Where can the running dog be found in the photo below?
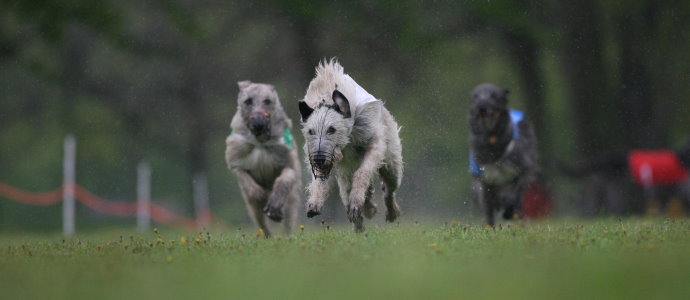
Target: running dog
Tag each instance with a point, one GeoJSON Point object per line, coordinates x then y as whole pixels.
{"type": "Point", "coordinates": [350, 133]}
{"type": "Point", "coordinates": [502, 152]}
{"type": "Point", "coordinates": [260, 151]}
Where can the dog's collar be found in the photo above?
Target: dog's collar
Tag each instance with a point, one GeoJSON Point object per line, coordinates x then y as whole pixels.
{"type": "Point", "coordinates": [323, 104]}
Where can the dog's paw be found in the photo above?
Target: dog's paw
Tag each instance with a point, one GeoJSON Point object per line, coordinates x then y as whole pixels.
{"type": "Point", "coordinates": [354, 214]}
{"type": "Point", "coordinates": [359, 227]}
{"type": "Point", "coordinates": [392, 213]}
{"type": "Point", "coordinates": [274, 213]}
{"type": "Point", "coordinates": [313, 210]}
{"type": "Point", "coordinates": [369, 209]}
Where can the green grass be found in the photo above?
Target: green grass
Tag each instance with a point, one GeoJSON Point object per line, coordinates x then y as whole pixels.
{"type": "Point", "coordinates": [601, 259]}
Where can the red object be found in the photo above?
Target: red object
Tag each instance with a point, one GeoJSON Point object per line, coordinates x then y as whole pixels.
{"type": "Point", "coordinates": [656, 167]}
{"type": "Point", "coordinates": [536, 202]}
{"type": "Point", "coordinates": [21, 196]}
{"type": "Point", "coordinates": [114, 208]}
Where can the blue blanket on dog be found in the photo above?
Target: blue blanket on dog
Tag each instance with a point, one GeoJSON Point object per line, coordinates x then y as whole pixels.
{"type": "Point", "coordinates": [515, 117]}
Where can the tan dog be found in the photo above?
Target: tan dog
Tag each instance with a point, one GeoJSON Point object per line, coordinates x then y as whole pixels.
{"type": "Point", "coordinates": [262, 154]}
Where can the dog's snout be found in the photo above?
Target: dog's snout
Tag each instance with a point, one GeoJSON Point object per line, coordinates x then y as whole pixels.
{"type": "Point", "coordinates": [482, 110]}
{"type": "Point", "coordinates": [319, 159]}
{"type": "Point", "coordinates": [258, 122]}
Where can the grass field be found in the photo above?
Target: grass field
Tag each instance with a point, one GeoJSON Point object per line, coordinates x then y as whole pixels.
{"type": "Point", "coordinates": [601, 259]}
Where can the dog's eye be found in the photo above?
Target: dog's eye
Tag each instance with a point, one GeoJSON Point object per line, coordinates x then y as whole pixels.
{"type": "Point", "coordinates": [267, 101]}
{"type": "Point", "coordinates": [248, 101]}
{"type": "Point", "coordinates": [330, 130]}
{"type": "Point", "coordinates": [311, 132]}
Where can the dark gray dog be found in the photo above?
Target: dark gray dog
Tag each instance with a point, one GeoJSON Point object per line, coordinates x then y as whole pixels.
{"type": "Point", "coordinates": [503, 152]}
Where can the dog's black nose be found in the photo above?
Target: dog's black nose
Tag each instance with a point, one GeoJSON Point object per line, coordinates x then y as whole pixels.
{"type": "Point", "coordinates": [258, 123]}
{"type": "Point", "coordinates": [319, 159]}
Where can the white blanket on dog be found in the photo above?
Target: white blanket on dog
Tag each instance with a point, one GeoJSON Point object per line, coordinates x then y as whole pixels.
{"type": "Point", "coordinates": [361, 95]}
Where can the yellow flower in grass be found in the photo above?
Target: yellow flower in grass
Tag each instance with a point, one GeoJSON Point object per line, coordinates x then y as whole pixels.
{"type": "Point", "coordinates": [260, 233]}
{"type": "Point", "coordinates": [301, 227]}
{"type": "Point", "coordinates": [183, 241]}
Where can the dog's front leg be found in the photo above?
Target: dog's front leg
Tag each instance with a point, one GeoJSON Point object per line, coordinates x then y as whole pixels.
{"type": "Point", "coordinates": [361, 180]}
{"type": "Point", "coordinates": [278, 197]}
{"type": "Point", "coordinates": [252, 189]}
{"type": "Point", "coordinates": [318, 192]}
{"type": "Point", "coordinates": [488, 202]}
{"type": "Point", "coordinates": [254, 196]}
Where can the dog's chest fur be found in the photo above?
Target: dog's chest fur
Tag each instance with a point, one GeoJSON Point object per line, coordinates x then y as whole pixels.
{"type": "Point", "coordinates": [262, 163]}
{"type": "Point", "coordinates": [500, 172]}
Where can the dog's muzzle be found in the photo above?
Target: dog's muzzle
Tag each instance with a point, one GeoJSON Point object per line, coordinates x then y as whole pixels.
{"type": "Point", "coordinates": [321, 164]}
{"type": "Point", "coordinates": [259, 122]}
{"type": "Point", "coordinates": [487, 116]}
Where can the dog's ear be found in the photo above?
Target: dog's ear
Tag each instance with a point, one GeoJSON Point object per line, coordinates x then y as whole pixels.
{"type": "Point", "coordinates": [305, 110]}
{"type": "Point", "coordinates": [342, 105]}
{"type": "Point", "coordinates": [243, 84]}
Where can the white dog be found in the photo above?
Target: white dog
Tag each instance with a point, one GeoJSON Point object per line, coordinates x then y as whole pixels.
{"type": "Point", "coordinates": [349, 132]}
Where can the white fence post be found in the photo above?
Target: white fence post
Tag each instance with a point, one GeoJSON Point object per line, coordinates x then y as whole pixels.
{"type": "Point", "coordinates": [143, 196]}
{"type": "Point", "coordinates": [203, 213]}
{"type": "Point", "coordinates": [69, 175]}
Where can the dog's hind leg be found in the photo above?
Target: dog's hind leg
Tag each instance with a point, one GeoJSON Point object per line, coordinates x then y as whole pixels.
{"type": "Point", "coordinates": [513, 202]}
{"type": "Point", "coordinates": [509, 212]}
{"type": "Point", "coordinates": [390, 177]}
